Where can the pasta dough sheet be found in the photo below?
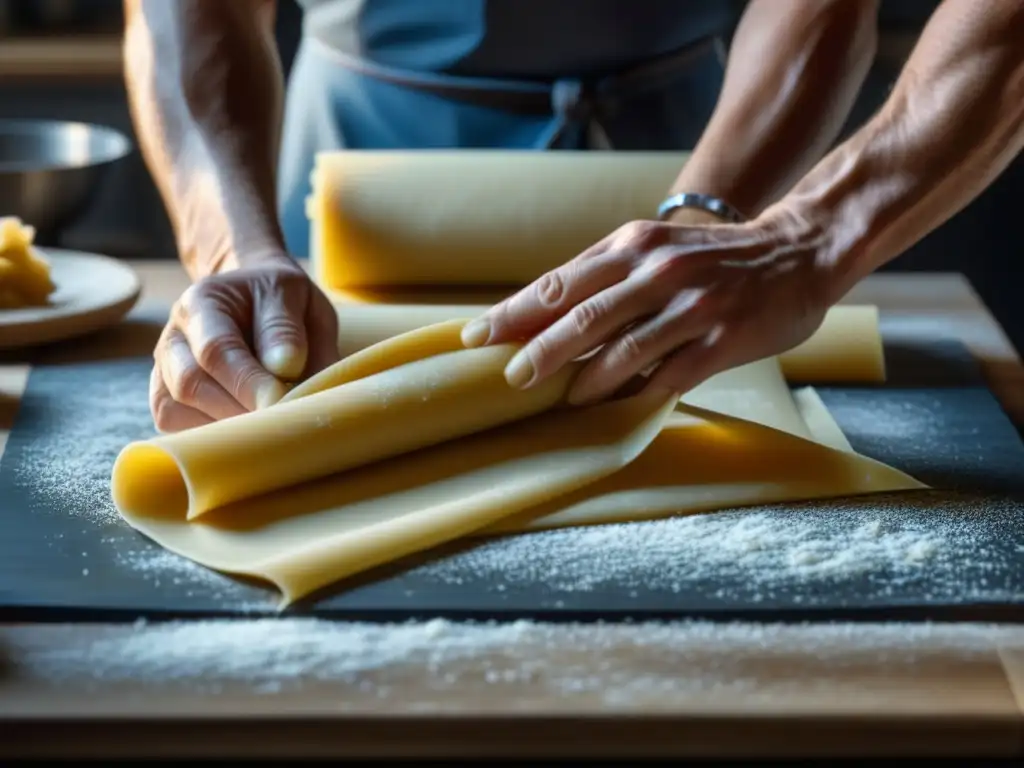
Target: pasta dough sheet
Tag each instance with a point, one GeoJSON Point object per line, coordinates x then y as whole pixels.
{"type": "Point", "coordinates": [387, 218]}
{"type": "Point", "coordinates": [415, 441]}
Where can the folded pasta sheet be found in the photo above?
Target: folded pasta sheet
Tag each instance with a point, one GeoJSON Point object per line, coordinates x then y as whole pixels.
{"type": "Point", "coordinates": [416, 441]}
{"type": "Point", "coordinates": [412, 440]}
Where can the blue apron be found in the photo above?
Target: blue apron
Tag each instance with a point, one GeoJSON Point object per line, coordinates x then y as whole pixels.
{"type": "Point", "coordinates": [385, 99]}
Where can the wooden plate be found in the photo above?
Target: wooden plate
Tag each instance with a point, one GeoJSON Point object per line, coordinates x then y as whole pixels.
{"type": "Point", "coordinates": [93, 292]}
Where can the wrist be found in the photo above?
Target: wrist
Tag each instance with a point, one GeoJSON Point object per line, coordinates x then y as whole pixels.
{"type": "Point", "coordinates": [216, 235]}
{"type": "Point", "coordinates": [817, 234]}
{"type": "Point", "coordinates": [839, 211]}
{"type": "Point", "coordinates": [716, 209]}
{"type": "Point", "coordinates": [223, 205]}
{"type": "Point", "coordinates": [208, 252]}
{"type": "Point", "coordinates": [695, 217]}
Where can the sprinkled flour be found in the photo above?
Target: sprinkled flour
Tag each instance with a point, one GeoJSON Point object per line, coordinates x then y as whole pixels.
{"type": "Point", "coordinates": [752, 554]}
{"type": "Point", "coordinates": [607, 664]}
{"type": "Point", "coordinates": [919, 548]}
{"type": "Point", "coordinates": [665, 554]}
{"type": "Point", "coordinates": [67, 468]}
{"type": "Point", "coordinates": [165, 570]}
{"type": "Point", "coordinates": [102, 421]}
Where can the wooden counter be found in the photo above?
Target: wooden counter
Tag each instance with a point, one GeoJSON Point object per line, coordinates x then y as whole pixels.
{"type": "Point", "coordinates": [290, 688]}
{"type": "Point", "coordinates": [62, 57]}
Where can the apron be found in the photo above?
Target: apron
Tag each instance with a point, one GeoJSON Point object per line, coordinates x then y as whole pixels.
{"type": "Point", "coordinates": [348, 99]}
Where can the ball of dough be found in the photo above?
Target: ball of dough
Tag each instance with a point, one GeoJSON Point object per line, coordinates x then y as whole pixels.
{"type": "Point", "coordinates": [24, 274]}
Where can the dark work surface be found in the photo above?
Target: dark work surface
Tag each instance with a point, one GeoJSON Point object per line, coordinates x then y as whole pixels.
{"type": "Point", "coordinates": [950, 553]}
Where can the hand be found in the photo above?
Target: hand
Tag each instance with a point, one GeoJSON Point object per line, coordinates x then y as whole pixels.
{"type": "Point", "coordinates": [235, 338]}
{"type": "Point", "coordinates": [678, 303]}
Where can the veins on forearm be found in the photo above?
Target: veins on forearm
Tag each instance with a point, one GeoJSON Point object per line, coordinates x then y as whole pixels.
{"type": "Point", "coordinates": [954, 122]}
{"type": "Point", "coordinates": [208, 116]}
{"type": "Point", "coordinates": [791, 80]}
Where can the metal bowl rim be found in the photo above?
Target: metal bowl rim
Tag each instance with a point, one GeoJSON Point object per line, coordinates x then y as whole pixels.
{"type": "Point", "coordinates": [120, 147]}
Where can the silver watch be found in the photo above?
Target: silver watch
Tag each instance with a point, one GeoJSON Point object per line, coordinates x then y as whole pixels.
{"type": "Point", "coordinates": [703, 202]}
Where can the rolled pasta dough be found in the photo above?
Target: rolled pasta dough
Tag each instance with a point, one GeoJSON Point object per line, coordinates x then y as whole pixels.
{"type": "Point", "coordinates": [405, 239]}
{"type": "Point", "coordinates": [387, 218]}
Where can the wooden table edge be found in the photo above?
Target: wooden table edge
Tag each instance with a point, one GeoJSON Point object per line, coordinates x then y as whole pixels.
{"type": "Point", "coordinates": [521, 736]}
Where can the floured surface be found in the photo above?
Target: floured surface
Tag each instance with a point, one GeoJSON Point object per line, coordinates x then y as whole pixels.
{"type": "Point", "coordinates": [756, 556]}
{"type": "Point", "coordinates": [61, 523]}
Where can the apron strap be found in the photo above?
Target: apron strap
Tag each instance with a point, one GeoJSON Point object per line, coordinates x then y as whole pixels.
{"type": "Point", "coordinates": [572, 101]}
{"type": "Point", "coordinates": [575, 102]}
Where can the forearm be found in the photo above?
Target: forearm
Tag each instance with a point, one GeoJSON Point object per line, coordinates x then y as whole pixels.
{"type": "Point", "coordinates": [793, 73]}
{"type": "Point", "coordinates": [954, 122]}
{"type": "Point", "coordinates": [205, 90]}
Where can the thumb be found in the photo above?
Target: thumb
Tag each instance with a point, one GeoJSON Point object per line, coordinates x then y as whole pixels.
{"type": "Point", "coordinates": [279, 332]}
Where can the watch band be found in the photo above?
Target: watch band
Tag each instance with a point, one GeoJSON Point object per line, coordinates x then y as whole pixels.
{"type": "Point", "coordinates": [703, 202]}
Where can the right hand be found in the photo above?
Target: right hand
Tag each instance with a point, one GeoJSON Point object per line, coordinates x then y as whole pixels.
{"type": "Point", "coordinates": [236, 339]}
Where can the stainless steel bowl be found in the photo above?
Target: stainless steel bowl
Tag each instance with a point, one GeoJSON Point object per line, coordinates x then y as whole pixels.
{"type": "Point", "coordinates": [50, 169]}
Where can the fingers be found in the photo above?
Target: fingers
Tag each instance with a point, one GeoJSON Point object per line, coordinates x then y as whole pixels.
{"type": "Point", "coordinates": [547, 299]}
{"type": "Point", "coordinates": [572, 310]}
{"type": "Point", "coordinates": [232, 341]}
{"type": "Point", "coordinates": [168, 414]}
{"type": "Point", "coordinates": [643, 345]}
{"type": "Point", "coordinates": [218, 345]}
{"type": "Point", "coordinates": [279, 333]}
{"type": "Point", "coordinates": [642, 294]}
{"type": "Point", "coordinates": [187, 382]}
{"type": "Point", "coordinates": [693, 363]}
{"type": "Point", "coordinates": [322, 322]}
{"type": "Point", "coordinates": [585, 327]}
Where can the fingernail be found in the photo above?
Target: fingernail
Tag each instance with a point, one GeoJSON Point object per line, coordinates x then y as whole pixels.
{"type": "Point", "coordinates": [519, 371]}
{"type": "Point", "coordinates": [284, 361]}
{"type": "Point", "coordinates": [269, 393]}
{"type": "Point", "coordinates": [476, 332]}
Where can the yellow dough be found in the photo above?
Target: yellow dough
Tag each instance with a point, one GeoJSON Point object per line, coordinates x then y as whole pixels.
{"type": "Point", "coordinates": [472, 217]}
{"type": "Point", "coordinates": [412, 441]}
{"type": "Point", "coordinates": [739, 439]}
{"type": "Point", "coordinates": [24, 273]}
{"type": "Point", "coordinates": [210, 493]}
{"type": "Point", "coordinates": [404, 239]}
{"type": "Point", "coordinates": [415, 441]}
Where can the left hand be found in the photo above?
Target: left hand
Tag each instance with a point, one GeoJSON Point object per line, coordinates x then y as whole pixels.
{"type": "Point", "coordinates": [685, 301]}
{"type": "Point", "coordinates": [236, 338]}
